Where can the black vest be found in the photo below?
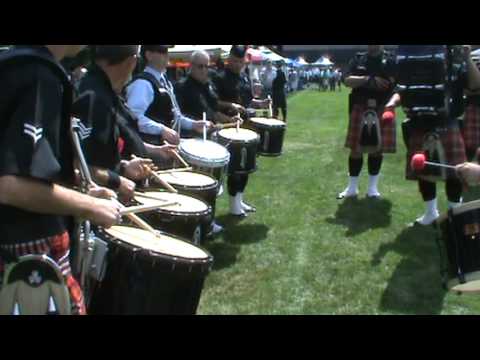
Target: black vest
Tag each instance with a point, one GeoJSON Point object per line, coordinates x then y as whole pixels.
{"type": "Point", "coordinates": [161, 109]}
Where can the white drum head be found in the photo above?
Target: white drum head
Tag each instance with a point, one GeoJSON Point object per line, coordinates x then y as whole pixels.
{"type": "Point", "coordinates": [186, 204]}
{"type": "Point", "coordinates": [204, 153]}
{"type": "Point", "coordinates": [164, 244]}
{"type": "Point", "coordinates": [188, 178]}
{"type": "Point", "coordinates": [240, 135]}
{"type": "Point", "coordinates": [268, 122]}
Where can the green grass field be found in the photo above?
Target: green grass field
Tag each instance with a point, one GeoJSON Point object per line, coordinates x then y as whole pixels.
{"type": "Point", "coordinates": [304, 252]}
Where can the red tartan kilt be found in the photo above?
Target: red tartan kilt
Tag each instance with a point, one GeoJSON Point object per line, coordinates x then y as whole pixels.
{"type": "Point", "coordinates": [388, 131]}
{"type": "Point", "coordinates": [57, 248]}
{"type": "Point", "coordinates": [471, 127]}
{"type": "Point", "coordinates": [453, 145]}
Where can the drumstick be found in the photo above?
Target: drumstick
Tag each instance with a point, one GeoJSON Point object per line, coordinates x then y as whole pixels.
{"type": "Point", "coordinates": [89, 180]}
{"type": "Point", "coordinates": [150, 172]}
{"type": "Point", "coordinates": [172, 171]}
{"type": "Point", "coordinates": [177, 155]}
{"type": "Point", "coordinates": [163, 182]}
{"type": "Point", "coordinates": [135, 219]}
{"type": "Point", "coordinates": [204, 126]}
{"type": "Point", "coordinates": [270, 106]}
{"type": "Point", "coordinates": [144, 208]}
{"type": "Point", "coordinates": [137, 193]}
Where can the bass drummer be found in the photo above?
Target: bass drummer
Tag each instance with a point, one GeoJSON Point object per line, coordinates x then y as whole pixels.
{"type": "Point", "coordinates": [235, 95]}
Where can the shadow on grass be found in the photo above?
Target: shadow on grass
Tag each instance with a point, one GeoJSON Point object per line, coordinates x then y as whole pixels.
{"type": "Point", "coordinates": [415, 286]}
{"type": "Point", "coordinates": [225, 252]}
{"type": "Point", "coordinates": [362, 215]}
{"type": "Point", "coordinates": [238, 233]}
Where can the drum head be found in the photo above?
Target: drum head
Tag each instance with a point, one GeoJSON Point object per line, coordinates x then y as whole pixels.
{"type": "Point", "coordinates": [240, 135]}
{"type": "Point", "coordinates": [204, 153]}
{"type": "Point", "coordinates": [268, 122]}
{"type": "Point", "coordinates": [185, 204]}
{"type": "Point", "coordinates": [189, 179]}
{"type": "Point", "coordinates": [164, 244]}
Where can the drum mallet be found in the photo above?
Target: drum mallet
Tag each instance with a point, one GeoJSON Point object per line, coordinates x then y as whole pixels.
{"type": "Point", "coordinates": [419, 163]}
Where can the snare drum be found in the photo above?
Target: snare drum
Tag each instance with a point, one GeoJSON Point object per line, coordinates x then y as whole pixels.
{"type": "Point", "coordinates": [459, 242]}
{"type": "Point", "coordinates": [198, 186]}
{"type": "Point", "coordinates": [189, 218]}
{"type": "Point", "coordinates": [243, 146]}
{"type": "Point", "coordinates": [206, 157]}
{"type": "Point", "coordinates": [272, 134]}
{"type": "Point", "coordinates": [147, 275]}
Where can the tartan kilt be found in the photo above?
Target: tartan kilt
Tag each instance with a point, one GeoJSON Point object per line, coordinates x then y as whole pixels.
{"type": "Point", "coordinates": [58, 249]}
{"type": "Point", "coordinates": [388, 131]}
{"type": "Point", "coordinates": [471, 127]}
{"type": "Point", "coordinates": [452, 142]}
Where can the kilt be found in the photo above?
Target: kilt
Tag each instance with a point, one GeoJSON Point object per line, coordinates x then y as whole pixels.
{"type": "Point", "coordinates": [452, 142]}
{"type": "Point", "coordinates": [471, 127]}
{"type": "Point", "coordinates": [388, 131]}
{"type": "Point", "coordinates": [58, 249]}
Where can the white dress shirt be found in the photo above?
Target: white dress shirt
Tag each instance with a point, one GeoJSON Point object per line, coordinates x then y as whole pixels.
{"type": "Point", "coordinates": [140, 96]}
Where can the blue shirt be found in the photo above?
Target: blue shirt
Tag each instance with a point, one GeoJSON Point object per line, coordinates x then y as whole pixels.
{"type": "Point", "coordinates": [140, 96]}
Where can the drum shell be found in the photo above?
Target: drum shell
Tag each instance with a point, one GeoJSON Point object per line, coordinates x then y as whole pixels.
{"type": "Point", "coordinates": [218, 173]}
{"type": "Point", "coordinates": [141, 283]}
{"type": "Point", "coordinates": [236, 148]}
{"type": "Point", "coordinates": [207, 194]}
{"type": "Point", "coordinates": [271, 138]}
{"type": "Point", "coordinates": [460, 243]}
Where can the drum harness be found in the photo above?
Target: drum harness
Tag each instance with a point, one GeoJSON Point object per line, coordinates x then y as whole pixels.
{"type": "Point", "coordinates": [82, 263]}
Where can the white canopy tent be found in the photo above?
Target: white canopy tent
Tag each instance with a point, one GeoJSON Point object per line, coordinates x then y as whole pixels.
{"type": "Point", "coordinates": [184, 52]}
{"type": "Point", "coordinates": [323, 61]}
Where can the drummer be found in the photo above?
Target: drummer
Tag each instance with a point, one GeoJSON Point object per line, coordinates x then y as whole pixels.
{"type": "Point", "coordinates": [36, 164]}
{"type": "Point", "coordinates": [196, 96]}
{"type": "Point", "coordinates": [113, 126]}
{"type": "Point", "coordinates": [235, 95]}
{"type": "Point", "coordinates": [152, 99]}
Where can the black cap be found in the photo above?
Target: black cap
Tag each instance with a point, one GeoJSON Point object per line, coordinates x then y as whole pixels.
{"type": "Point", "coordinates": [115, 51]}
{"type": "Point", "coordinates": [239, 51]}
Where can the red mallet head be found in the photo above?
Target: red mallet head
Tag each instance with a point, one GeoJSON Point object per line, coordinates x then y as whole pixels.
{"type": "Point", "coordinates": [418, 162]}
{"type": "Point", "coordinates": [388, 116]}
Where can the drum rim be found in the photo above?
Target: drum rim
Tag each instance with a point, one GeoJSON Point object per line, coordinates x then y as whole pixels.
{"type": "Point", "coordinates": [179, 213]}
{"type": "Point", "coordinates": [469, 277]}
{"type": "Point", "coordinates": [201, 161]}
{"type": "Point", "coordinates": [236, 141]}
{"type": "Point", "coordinates": [277, 125]}
{"type": "Point", "coordinates": [195, 187]}
{"type": "Point", "coordinates": [462, 209]}
{"type": "Point", "coordinates": [137, 251]}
